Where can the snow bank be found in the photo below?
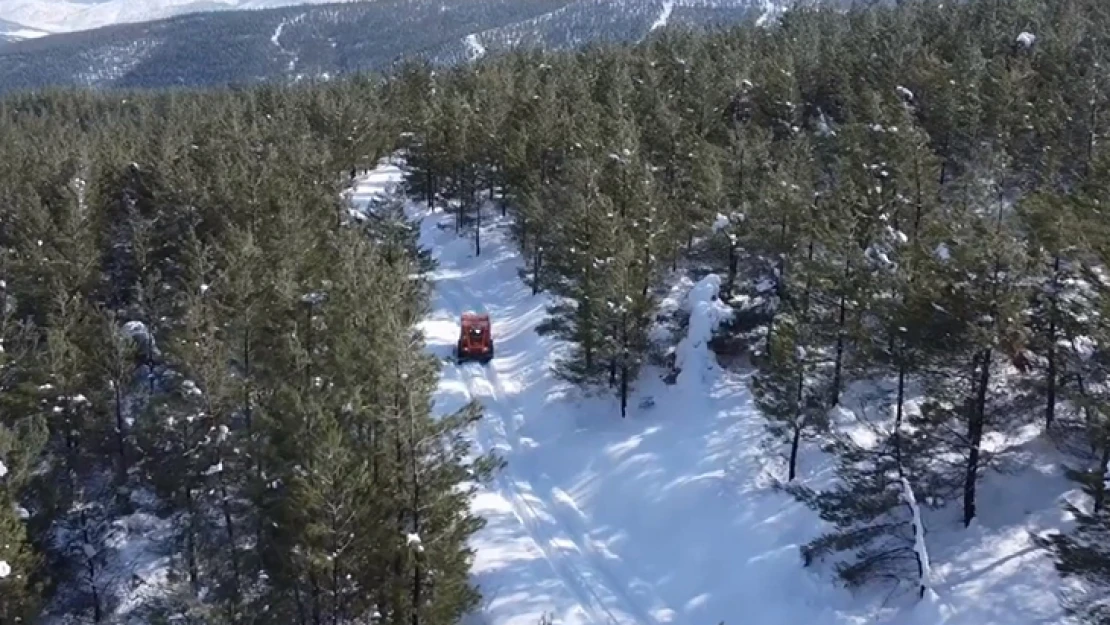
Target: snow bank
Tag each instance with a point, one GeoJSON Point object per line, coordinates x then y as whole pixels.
{"type": "Point", "coordinates": [918, 535]}
{"type": "Point", "coordinates": [929, 611]}
{"type": "Point", "coordinates": [707, 313]}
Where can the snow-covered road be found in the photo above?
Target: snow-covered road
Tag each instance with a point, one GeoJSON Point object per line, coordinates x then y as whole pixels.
{"type": "Point", "coordinates": [537, 554]}
{"type": "Point", "coordinates": [664, 517]}
{"type": "Point", "coordinates": [598, 520]}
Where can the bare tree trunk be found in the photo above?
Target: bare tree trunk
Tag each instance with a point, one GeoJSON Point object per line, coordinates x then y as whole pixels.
{"type": "Point", "coordinates": [795, 443]}
{"type": "Point", "coordinates": [537, 263]}
{"type": "Point", "coordinates": [335, 593]}
{"type": "Point", "coordinates": [899, 410]}
{"type": "Point", "coordinates": [232, 543]}
{"type": "Point", "coordinates": [1051, 374]}
{"type": "Point", "coordinates": [733, 265]}
{"type": "Point", "coordinates": [624, 389]}
{"type": "Point", "coordinates": [91, 571]}
{"type": "Point", "coordinates": [191, 541]}
{"type": "Point", "coordinates": [840, 339]}
{"type": "Point", "coordinates": [975, 427]}
{"type": "Point", "coordinates": [417, 569]}
{"type": "Point", "coordinates": [478, 230]}
{"type": "Point", "coordinates": [121, 425]}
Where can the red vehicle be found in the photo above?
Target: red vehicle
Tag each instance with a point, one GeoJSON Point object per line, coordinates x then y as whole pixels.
{"type": "Point", "coordinates": [475, 340]}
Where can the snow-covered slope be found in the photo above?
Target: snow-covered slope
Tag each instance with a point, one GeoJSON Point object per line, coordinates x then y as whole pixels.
{"type": "Point", "coordinates": [669, 516]}
{"type": "Point", "coordinates": [69, 15]}
{"type": "Point", "coordinates": [11, 31]}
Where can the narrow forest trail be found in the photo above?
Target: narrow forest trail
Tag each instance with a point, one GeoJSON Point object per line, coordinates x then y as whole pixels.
{"type": "Point", "coordinates": [542, 520]}
{"type": "Point", "coordinates": [661, 518]}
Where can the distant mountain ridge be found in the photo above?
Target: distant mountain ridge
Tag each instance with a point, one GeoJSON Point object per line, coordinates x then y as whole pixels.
{"type": "Point", "coordinates": [12, 31]}
{"type": "Point", "coordinates": [324, 40]}
{"type": "Point", "coordinates": [60, 16]}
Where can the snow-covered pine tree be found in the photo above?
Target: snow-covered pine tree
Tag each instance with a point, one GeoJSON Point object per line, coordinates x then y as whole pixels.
{"type": "Point", "coordinates": [492, 107]}
{"type": "Point", "coordinates": [246, 292]}
{"type": "Point", "coordinates": [533, 148]}
{"type": "Point", "coordinates": [783, 388]}
{"type": "Point", "coordinates": [330, 499]}
{"type": "Point", "coordinates": [631, 270]}
{"type": "Point", "coordinates": [216, 472]}
{"type": "Point", "coordinates": [455, 123]}
{"type": "Point", "coordinates": [981, 300]}
{"type": "Point", "coordinates": [581, 265]}
{"type": "Point", "coordinates": [848, 253]}
{"type": "Point", "coordinates": [116, 355]}
{"type": "Point", "coordinates": [667, 141]}
{"type": "Point", "coordinates": [77, 510]}
{"type": "Point", "coordinates": [779, 224]}
{"type": "Point", "coordinates": [874, 536]}
{"type": "Point", "coordinates": [751, 259]}
{"type": "Point", "coordinates": [394, 232]}
{"type": "Point", "coordinates": [430, 574]}
{"type": "Point", "coordinates": [1060, 299]}
{"type": "Point", "coordinates": [413, 90]}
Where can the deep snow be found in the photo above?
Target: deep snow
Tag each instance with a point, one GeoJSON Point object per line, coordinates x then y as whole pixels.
{"type": "Point", "coordinates": [669, 516]}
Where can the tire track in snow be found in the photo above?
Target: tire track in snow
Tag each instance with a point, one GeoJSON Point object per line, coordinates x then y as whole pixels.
{"type": "Point", "coordinates": [532, 519]}
{"type": "Point", "coordinates": [572, 520]}
{"type": "Point", "coordinates": [454, 295]}
{"type": "Point", "coordinates": [562, 539]}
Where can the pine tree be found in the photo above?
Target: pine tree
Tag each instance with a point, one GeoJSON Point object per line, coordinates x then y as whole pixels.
{"type": "Point", "coordinates": [389, 227]}
{"type": "Point", "coordinates": [116, 358]}
{"type": "Point", "coordinates": [535, 143]}
{"type": "Point", "coordinates": [79, 505]}
{"type": "Point", "coordinates": [982, 301]}
{"type": "Point", "coordinates": [330, 499]}
{"type": "Point", "coordinates": [23, 435]}
{"type": "Point", "coordinates": [873, 535]}
{"type": "Point", "coordinates": [435, 524]}
{"type": "Point", "coordinates": [783, 390]}
{"type": "Point", "coordinates": [581, 264]}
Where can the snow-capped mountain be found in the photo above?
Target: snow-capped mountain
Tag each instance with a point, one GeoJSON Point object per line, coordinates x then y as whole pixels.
{"type": "Point", "coordinates": [60, 16]}
{"type": "Point", "coordinates": [319, 40]}
{"type": "Point", "coordinates": [11, 31]}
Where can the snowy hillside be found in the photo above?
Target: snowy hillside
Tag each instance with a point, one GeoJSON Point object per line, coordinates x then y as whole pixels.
{"type": "Point", "coordinates": [68, 16]}
{"type": "Point", "coordinates": [671, 515]}
{"type": "Point", "coordinates": [74, 15]}
{"type": "Point", "coordinates": [295, 43]}
{"type": "Point", "coordinates": [11, 31]}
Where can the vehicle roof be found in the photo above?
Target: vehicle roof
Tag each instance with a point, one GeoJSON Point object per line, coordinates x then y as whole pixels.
{"type": "Point", "coordinates": [475, 319]}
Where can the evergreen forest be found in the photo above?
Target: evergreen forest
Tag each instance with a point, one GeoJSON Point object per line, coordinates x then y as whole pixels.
{"type": "Point", "coordinates": [204, 345]}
